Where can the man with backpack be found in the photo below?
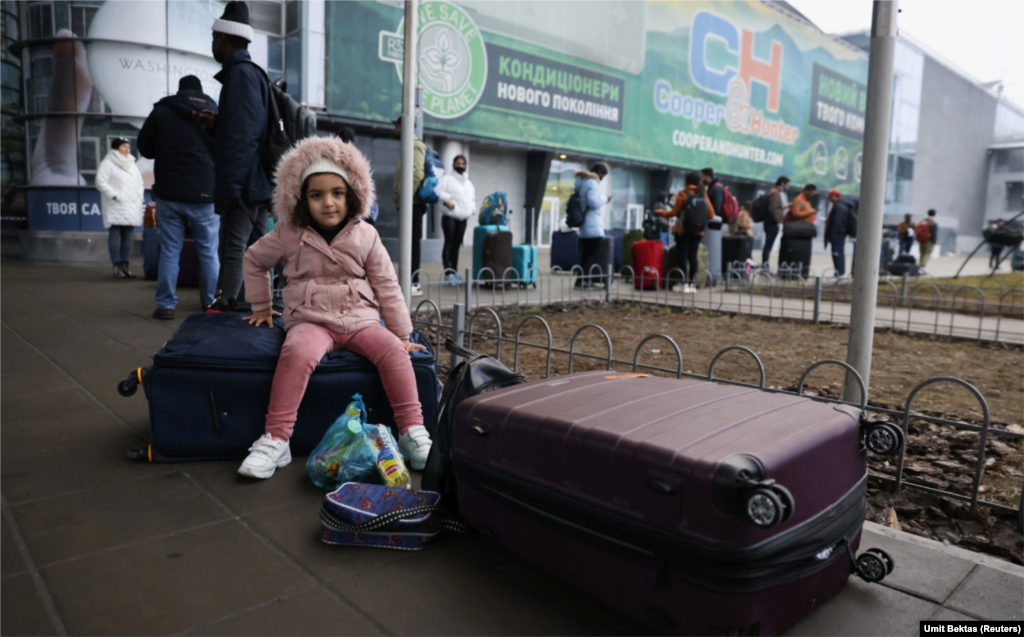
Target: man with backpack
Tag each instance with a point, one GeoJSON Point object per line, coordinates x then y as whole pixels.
{"type": "Point", "coordinates": [770, 209]}
{"type": "Point", "coordinates": [419, 206]}
{"type": "Point", "coordinates": [926, 233]}
{"type": "Point", "coordinates": [183, 190]}
{"type": "Point", "coordinates": [693, 209]}
{"type": "Point", "coordinates": [725, 204]}
{"type": "Point", "coordinates": [242, 189]}
{"type": "Point", "coordinates": [841, 223]}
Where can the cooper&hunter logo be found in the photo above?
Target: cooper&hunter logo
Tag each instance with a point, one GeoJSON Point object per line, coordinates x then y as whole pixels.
{"type": "Point", "coordinates": [452, 58]}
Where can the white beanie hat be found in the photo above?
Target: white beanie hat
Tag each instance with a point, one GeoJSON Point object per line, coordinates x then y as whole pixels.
{"type": "Point", "coordinates": [324, 165]}
{"type": "Point", "coordinates": [235, 21]}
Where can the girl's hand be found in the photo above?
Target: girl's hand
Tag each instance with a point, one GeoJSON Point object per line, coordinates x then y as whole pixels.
{"type": "Point", "coordinates": [411, 347]}
{"type": "Point", "coordinates": [259, 318]}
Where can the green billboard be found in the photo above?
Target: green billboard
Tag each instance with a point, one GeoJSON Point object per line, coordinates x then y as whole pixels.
{"type": "Point", "coordinates": [738, 86]}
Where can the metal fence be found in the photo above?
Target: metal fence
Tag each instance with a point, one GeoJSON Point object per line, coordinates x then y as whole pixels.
{"type": "Point", "coordinates": [909, 304]}
{"type": "Point", "coordinates": [463, 330]}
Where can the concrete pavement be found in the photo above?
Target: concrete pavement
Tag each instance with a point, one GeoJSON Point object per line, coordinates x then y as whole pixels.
{"type": "Point", "coordinates": [95, 544]}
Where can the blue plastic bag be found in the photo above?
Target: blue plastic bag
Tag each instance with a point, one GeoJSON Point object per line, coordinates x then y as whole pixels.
{"type": "Point", "coordinates": [343, 455]}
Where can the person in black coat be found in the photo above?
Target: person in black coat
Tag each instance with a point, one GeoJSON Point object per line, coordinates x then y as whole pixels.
{"type": "Point", "coordinates": [242, 190]}
{"type": "Point", "coordinates": [841, 219]}
{"type": "Point", "coordinates": [175, 138]}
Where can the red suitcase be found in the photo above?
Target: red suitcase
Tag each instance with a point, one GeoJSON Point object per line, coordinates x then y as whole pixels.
{"type": "Point", "coordinates": [693, 507]}
{"type": "Point", "coordinates": [648, 265]}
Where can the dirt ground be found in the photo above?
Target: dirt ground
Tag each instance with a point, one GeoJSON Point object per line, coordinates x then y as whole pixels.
{"type": "Point", "coordinates": [938, 456]}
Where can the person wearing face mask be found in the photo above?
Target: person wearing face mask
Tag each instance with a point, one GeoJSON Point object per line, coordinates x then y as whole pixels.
{"type": "Point", "coordinates": [458, 198]}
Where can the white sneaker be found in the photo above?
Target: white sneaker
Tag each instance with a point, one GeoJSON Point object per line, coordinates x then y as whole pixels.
{"type": "Point", "coordinates": [679, 288]}
{"type": "Point", "coordinates": [266, 455]}
{"type": "Point", "coordinates": [415, 445]}
{"type": "Point", "coordinates": [689, 289]}
{"type": "Point", "coordinates": [416, 290]}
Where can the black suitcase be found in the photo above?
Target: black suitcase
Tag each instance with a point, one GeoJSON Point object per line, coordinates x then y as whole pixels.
{"type": "Point", "coordinates": [565, 253]}
{"type": "Point", "coordinates": [887, 255]}
{"type": "Point", "coordinates": [497, 255]}
{"type": "Point", "coordinates": [736, 248]}
{"type": "Point", "coordinates": [799, 230]}
{"type": "Point", "coordinates": [899, 268]}
{"type": "Point", "coordinates": [794, 257]}
{"type": "Point", "coordinates": [597, 262]}
{"type": "Point", "coordinates": [209, 388]}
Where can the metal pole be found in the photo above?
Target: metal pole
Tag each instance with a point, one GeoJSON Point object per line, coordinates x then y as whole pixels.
{"type": "Point", "coordinates": [408, 135]}
{"type": "Point", "coordinates": [817, 300]}
{"type": "Point", "coordinates": [872, 193]}
{"type": "Point", "coordinates": [458, 328]}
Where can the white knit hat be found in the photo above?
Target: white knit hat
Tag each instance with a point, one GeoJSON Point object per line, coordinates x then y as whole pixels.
{"type": "Point", "coordinates": [235, 21]}
{"type": "Point", "coordinates": [324, 165]}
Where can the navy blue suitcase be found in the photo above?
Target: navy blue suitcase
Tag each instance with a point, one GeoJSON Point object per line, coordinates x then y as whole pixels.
{"type": "Point", "coordinates": [565, 251]}
{"type": "Point", "coordinates": [209, 388]}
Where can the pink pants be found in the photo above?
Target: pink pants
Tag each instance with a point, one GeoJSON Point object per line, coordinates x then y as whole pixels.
{"type": "Point", "coordinates": [307, 343]}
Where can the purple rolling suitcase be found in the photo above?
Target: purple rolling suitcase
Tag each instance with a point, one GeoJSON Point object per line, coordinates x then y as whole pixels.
{"type": "Point", "coordinates": [694, 507]}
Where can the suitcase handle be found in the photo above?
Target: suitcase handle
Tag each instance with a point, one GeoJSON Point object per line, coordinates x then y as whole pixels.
{"type": "Point", "coordinates": [459, 350]}
{"type": "Point", "coordinates": [661, 487]}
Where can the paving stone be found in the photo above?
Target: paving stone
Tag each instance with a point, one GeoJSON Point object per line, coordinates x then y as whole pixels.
{"type": "Point", "coordinates": [112, 515]}
{"type": "Point", "coordinates": [917, 571]}
{"type": "Point", "coordinates": [296, 529]}
{"type": "Point", "coordinates": [990, 594]}
{"type": "Point", "coordinates": [867, 609]}
{"type": "Point", "coordinates": [70, 470]}
{"type": "Point", "coordinates": [21, 610]}
{"type": "Point", "coordinates": [468, 588]}
{"type": "Point", "coordinates": [245, 495]}
{"type": "Point", "coordinates": [85, 432]}
{"type": "Point", "coordinates": [946, 615]}
{"type": "Point", "coordinates": [172, 584]}
{"type": "Point", "coordinates": [35, 384]}
{"type": "Point", "coordinates": [10, 557]}
{"type": "Point", "coordinates": [65, 402]}
{"type": "Point", "coordinates": [312, 613]}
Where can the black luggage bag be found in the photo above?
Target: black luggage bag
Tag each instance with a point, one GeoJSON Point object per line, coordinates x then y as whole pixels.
{"type": "Point", "coordinates": [736, 248]}
{"type": "Point", "coordinates": [497, 255]}
{"type": "Point", "coordinates": [794, 258]}
{"type": "Point", "coordinates": [209, 388]}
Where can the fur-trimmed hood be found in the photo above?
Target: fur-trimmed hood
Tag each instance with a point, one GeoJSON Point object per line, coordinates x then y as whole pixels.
{"type": "Point", "coordinates": [309, 150]}
{"type": "Point", "coordinates": [586, 174]}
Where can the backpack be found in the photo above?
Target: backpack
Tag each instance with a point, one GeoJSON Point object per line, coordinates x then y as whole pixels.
{"type": "Point", "coordinates": [695, 217]}
{"type": "Point", "coordinates": [492, 210]}
{"type": "Point", "coordinates": [574, 216]}
{"type": "Point", "coordinates": [923, 232]}
{"type": "Point", "coordinates": [476, 374]}
{"type": "Point", "coordinates": [730, 207]}
{"type": "Point", "coordinates": [288, 123]}
{"type": "Point", "coordinates": [851, 219]}
{"type": "Point", "coordinates": [433, 170]}
{"type": "Point", "coordinates": [759, 208]}
{"type": "Point", "coordinates": [652, 228]}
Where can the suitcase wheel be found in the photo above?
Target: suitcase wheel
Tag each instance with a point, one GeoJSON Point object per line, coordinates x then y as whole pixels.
{"type": "Point", "coordinates": [130, 385]}
{"type": "Point", "coordinates": [764, 507]}
{"type": "Point", "coordinates": [145, 454]}
{"type": "Point", "coordinates": [883, 438]}
{"type": "Point", "coordinates": [873, 565]}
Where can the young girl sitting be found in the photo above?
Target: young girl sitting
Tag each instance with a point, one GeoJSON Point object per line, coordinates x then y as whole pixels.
{"type": "Point", "coordinates": [340, 280]}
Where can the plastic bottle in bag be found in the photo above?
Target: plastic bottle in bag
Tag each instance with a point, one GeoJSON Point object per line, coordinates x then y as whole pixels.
{"type": "Point", "coordinates": [390, 465]}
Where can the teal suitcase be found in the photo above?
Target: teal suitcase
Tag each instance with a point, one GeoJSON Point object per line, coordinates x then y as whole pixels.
{"type": "Point", "coordinates": [479, 233]}
{"type": "Point", "coordinates": [524, 260]}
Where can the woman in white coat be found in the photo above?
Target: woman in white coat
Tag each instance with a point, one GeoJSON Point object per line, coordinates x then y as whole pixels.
{"type": "Point", "coordinates": [458, 196]}
{"type": "Point", "coordinates": [120, 184]}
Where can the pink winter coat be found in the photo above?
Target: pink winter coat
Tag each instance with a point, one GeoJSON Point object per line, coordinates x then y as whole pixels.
{"type": "Point", "coordinates": [343, 286]}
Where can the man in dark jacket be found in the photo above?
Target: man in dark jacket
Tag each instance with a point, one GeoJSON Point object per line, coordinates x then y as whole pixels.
{"type": "Point", "coordinates": [183, 192]}
{"type": "Point", "coordinates": [242, 190]}
{"type": "Point", "coordinates": [840, 220]}
{"type": "Point", "coordinates": [714, 188]}
{"type": "Point", "coordinates": [778, 202]}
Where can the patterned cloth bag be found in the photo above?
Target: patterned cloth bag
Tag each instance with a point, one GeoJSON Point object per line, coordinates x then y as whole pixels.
{"type": "Point", "coordinates": [379, 516]}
